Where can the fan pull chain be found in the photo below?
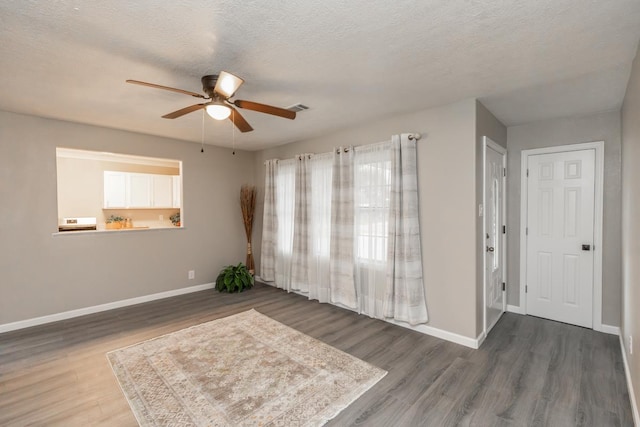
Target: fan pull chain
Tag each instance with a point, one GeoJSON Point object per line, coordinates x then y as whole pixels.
{"type": "Point", "coordinates": [233, 130]}
{"type": "Point", "coordinates": [202, 138]}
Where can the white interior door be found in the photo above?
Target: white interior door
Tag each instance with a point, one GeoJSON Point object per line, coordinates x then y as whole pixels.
{"type": "Point", "coordinates": [494, 170]}
{"type": "Point", "coordinates": [560, 236]}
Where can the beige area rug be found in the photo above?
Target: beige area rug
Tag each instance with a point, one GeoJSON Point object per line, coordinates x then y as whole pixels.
{"type": "Point", "coordinates": [242, 370]}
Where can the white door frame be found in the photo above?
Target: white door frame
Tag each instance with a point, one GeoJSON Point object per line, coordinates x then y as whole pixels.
{"type": "Point", "coordinates": [597, 219]}
{"type": "Point", "coordinates": [487, 142]}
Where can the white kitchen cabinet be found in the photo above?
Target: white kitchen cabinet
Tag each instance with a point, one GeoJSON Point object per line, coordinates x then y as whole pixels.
{"type": "Point", "coordinates": [128, 190]}
{"type": "Point", "coordinates": [115, 189]}
{"type": "Point", "coordinates": [162, 191]}
{"type": "Point", "coordinates": [140, 190]}
{"type": "Point", "coordinates": [177, 194]}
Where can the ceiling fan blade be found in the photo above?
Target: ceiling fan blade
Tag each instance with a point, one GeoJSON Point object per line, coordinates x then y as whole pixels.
{"type": "Point", "coordinates": [172, 89]}
{"type": "Point", "coordinates": [186, 110]}
{"type": "Point", "coordinates": [268, 109]}
{"type": "Point", "coordinates": [227, 84]}
{"type": "Point", "coordinates": [239, 121]}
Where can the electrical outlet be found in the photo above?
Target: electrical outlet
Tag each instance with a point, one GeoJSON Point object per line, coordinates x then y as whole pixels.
{"type": "Point", "coordinates": [161, 217]}
{"type": "Point", "coordinates": [192, 274]}
{"type": "Point", "coordinates": [630, 344]}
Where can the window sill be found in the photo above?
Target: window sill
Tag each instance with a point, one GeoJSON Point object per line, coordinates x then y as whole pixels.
{"type": "Point", "coordinates": [116, 231]}
{"type": "Point", "coordinates": [138, 208]}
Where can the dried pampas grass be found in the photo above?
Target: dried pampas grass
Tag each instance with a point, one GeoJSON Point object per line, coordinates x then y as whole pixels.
{"type": "Point", "coordinates": [248, 207]}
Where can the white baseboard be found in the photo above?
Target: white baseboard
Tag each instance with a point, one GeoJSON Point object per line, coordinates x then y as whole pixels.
{"type": "Point", "coordinates": [515, 309]}
{"type": "Point", "coordinates": [608, 329]}
{"type": "Point", "coordinates": [627, 373]}
{"type": "Point", "coordinates": [480, 340]}
{"type": "Point", "coordinates": [102, 307]}
{"type": "Point", "coordinates": [442, 334]}
{"type": "Point", "coordinates": [425, 329]}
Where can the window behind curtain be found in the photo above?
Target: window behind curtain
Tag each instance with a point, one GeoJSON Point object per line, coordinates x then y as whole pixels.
{"type": "Point", "coordinates": [321, 175]}
{"type": "Point", "coordinates": [285, 201]}
{"type": "Point", "coordinates": [372, 180]}
{"type": "Point", "coordinates": [365, 202]}
{"type": "Point", "coordinates": [285, 205]}
{"type": "Point", "coordinates": [372, 197]}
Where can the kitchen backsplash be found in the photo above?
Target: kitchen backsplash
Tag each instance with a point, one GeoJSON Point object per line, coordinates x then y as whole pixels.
{"type": "Point", "coordinates": [152, 218]}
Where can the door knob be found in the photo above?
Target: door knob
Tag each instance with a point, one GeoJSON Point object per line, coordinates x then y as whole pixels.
{"type": "Point", "coordinates": [586, 247]}
{"type": "Point", "coordinates": [490, 249]}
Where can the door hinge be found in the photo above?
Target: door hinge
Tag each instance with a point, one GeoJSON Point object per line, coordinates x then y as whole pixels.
{"type": "Point", "coordinates": [527, 172]}
{"type": "Point", "coordinates": [526, 231]}
{"type": "Point", "coordinates": [504, 171]}
{"type": "Point", "coordinates": [526, 289]}
{"type": "Point", "coordinates": [504, 286]}
{"type": "Point", "coordinates": [504, 229]}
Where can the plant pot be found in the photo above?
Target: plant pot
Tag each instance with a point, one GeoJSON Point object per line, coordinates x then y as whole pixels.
{"type": "Point", "coordinates": [113, 225]}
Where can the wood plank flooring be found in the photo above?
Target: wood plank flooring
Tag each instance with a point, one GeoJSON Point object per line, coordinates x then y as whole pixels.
{"type": "Point", "coordinates": [529, 372]}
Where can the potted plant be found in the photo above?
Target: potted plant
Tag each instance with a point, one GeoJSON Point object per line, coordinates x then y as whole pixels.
{"type": "Point", "coordinates": [175, 219]}
{"type": "Point", "coordinates": [234, 278]}
{"type": "Point", "coordinates": [114, 222]}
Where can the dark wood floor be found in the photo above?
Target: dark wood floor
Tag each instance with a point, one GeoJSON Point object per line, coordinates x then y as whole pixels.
{"type": "Point", "coordinates": [529, 371]}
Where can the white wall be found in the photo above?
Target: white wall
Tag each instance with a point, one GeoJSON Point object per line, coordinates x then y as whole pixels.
{"type": "Point", "coordinates": [598, 127]}
{"type": "Point", "coordinates": [43, 274]}
{"type": "Point", "coordinates": [447, 192]}
{"type": "Point", "coordinates": [631, 226]}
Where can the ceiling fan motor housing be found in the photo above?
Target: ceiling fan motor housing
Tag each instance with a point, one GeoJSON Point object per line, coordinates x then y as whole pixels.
{"type": "Point", "coordinates": [208, 84]}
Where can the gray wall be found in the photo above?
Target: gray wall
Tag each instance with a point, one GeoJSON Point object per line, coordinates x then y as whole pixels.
{"type": "Point", "coordinates": [42, 274]}
{"type": "Point", "coordinates": [598, 127]}
{"type": "Point", "coordinates": [486, 125]}
{"type": "Point", "coordinates": [447, 192]}
{"type": "Point", "coordinates": [631, 223]}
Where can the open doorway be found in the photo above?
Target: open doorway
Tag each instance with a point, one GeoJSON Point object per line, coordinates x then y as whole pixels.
{"type": "Point", "coordinates": [494, 229]}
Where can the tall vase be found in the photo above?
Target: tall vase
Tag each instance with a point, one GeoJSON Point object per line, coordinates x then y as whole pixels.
{"type": "Point", "coordinates": [248, 206]}
{"type": "Point", "coordinates": [250, 262]}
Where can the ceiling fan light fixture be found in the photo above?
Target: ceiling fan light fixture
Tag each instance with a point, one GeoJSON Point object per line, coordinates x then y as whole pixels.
{"type": "Point", "coordinates": [227, 84]}
{"type": "Point", "coordinates": [218, 111]}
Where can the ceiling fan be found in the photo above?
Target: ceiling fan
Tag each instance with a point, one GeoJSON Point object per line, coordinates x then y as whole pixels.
{"type": "Point", "coordinates": [220, 89]}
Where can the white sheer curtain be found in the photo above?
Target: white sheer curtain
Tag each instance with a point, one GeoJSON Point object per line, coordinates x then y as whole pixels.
{"type": "Point", "coordinates": [302, 239]}
{"type": "Point", "coordinates": [372, 179]}
{"type": "Point", "coordinates": [319, 263]}
{"type": "Point", "coordinates": [301, 218]}
{"type": "Point", "coordinates": [269, 223]}
{"type": "Point", "coordinates": [404, 294]}
{"type": "Point", "coordinates": [343, 286]}
{"type": "Point", "coordinates": [285, 206]}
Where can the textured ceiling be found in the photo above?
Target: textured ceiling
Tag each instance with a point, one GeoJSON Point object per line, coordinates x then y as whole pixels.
{"type": "Point", "coordinates": [350, 62]}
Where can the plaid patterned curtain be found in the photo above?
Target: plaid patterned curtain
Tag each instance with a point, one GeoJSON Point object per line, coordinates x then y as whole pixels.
{"type": "Point", "coordinates": [343, 290]}
{"type": "Point", "coordinates": [269, 223]}
{"type": "Point", "coordinates": [404, 292]}
{"type": "Point", "coordinates": [300, 274]}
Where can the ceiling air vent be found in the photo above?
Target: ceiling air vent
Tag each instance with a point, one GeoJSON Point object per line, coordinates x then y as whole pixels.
{"type": "Point", "coordinates": [297, 107]}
